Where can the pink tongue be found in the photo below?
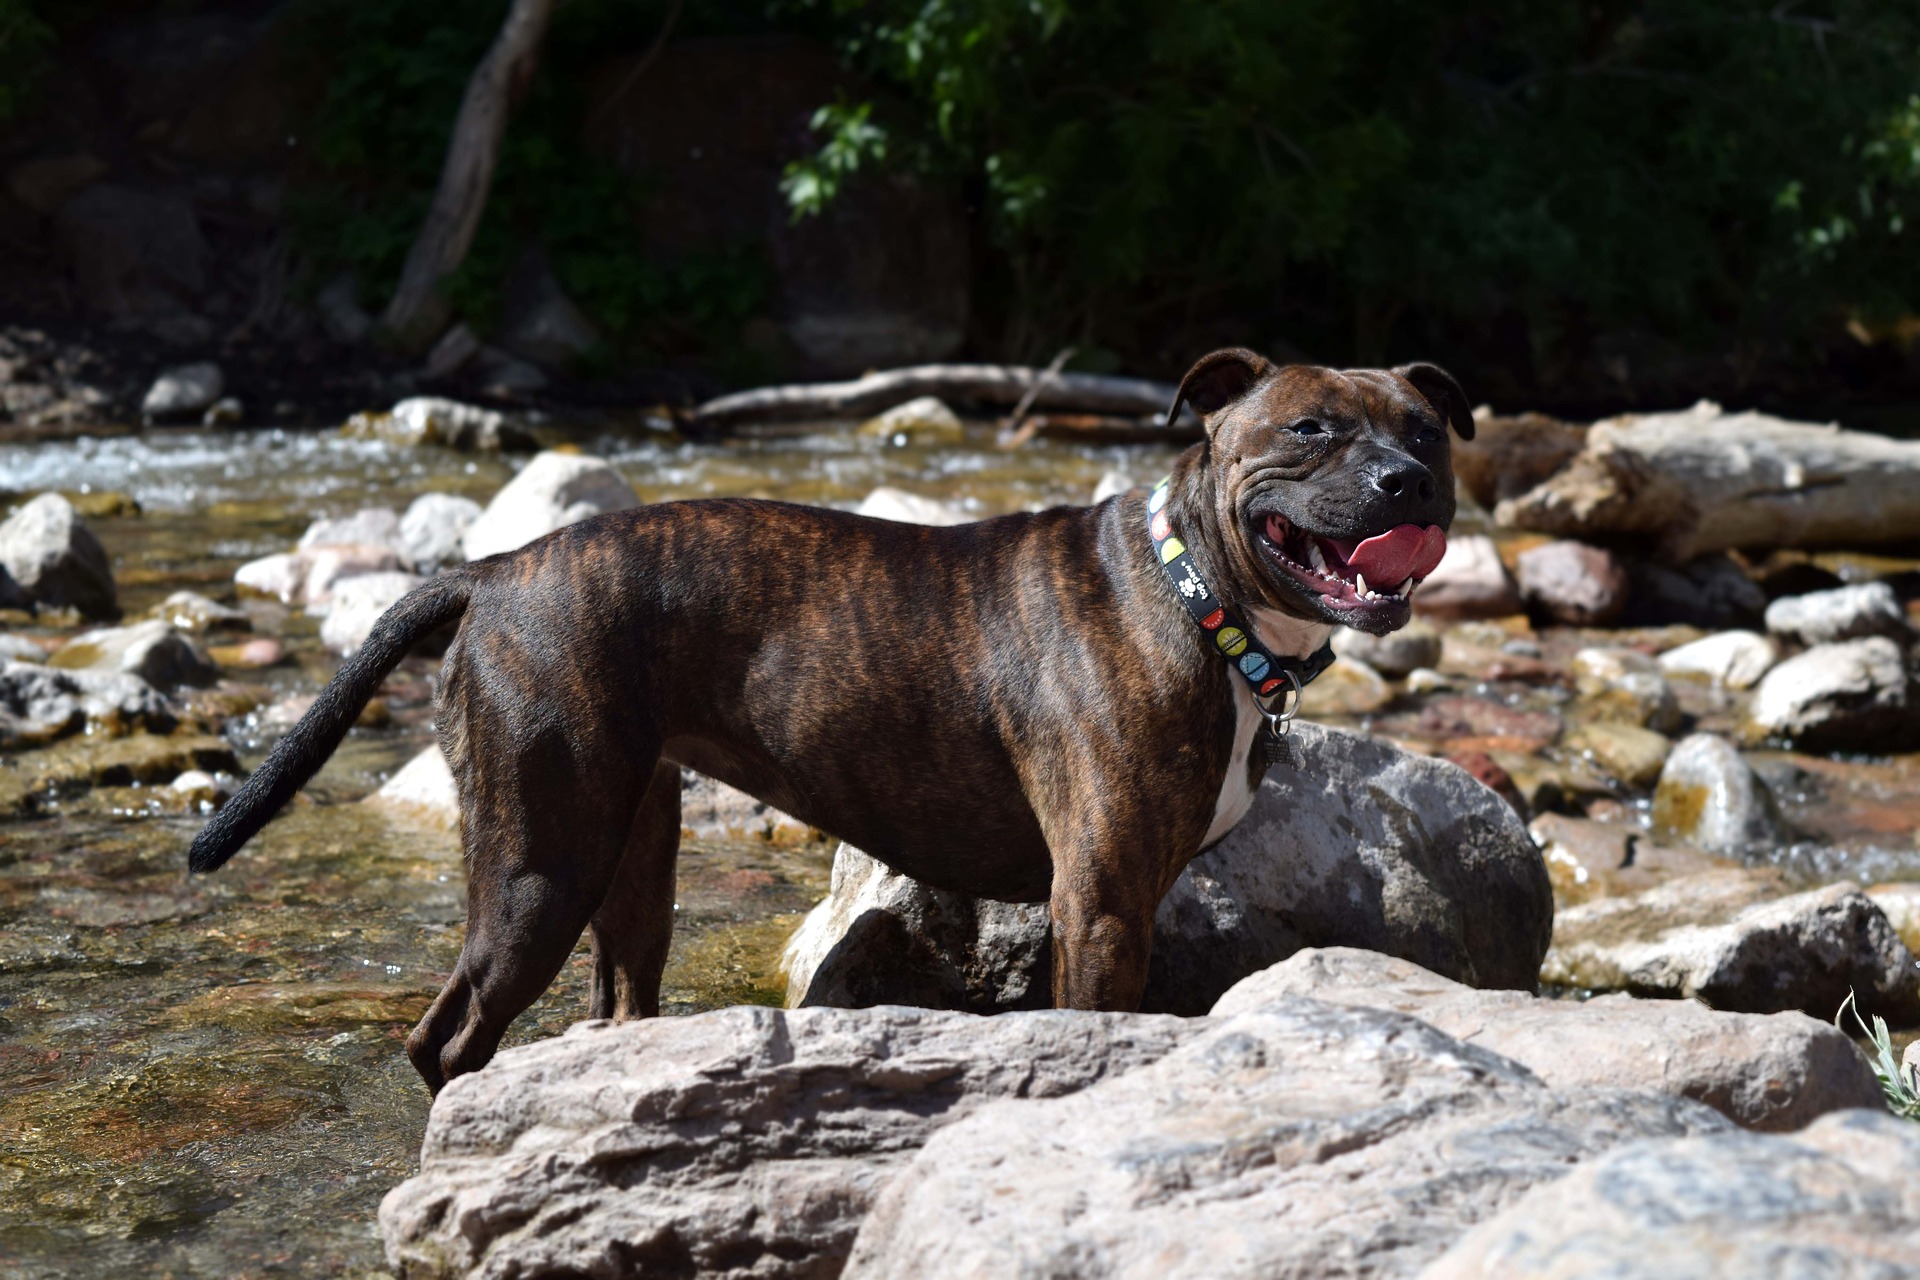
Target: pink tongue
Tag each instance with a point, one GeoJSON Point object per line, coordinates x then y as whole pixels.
{"type": "Point", "coordinates": [1409, 551]}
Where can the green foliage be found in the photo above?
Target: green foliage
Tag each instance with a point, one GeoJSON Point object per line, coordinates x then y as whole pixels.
{"type": "Point", "coordinates": [1902, 1099]}
{"type": "Point", "coordinates": [853, 140]}
{"type": "Point", "coordinates": [25, 39]}
{"type": "Point", "coordinates": [1372, 173]}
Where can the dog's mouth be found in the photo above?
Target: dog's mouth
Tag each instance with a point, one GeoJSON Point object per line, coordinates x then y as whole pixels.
{"type": "Point", "coordinates": [1361, 582]}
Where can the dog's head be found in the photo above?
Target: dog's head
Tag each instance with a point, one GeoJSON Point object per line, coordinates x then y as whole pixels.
{"type": "Point", "coordinates": [1330, 491]}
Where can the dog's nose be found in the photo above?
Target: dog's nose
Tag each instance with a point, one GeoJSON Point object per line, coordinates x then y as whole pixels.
{"type": "Point", "coordinates": [1406, 479]}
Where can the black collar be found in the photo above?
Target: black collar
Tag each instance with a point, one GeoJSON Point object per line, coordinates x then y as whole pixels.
{"type": "Point", "coordinates": [1270, 676]}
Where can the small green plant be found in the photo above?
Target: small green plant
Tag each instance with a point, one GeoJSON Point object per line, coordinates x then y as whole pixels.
{"type": "Point", "coordinates": [1902, 1099]}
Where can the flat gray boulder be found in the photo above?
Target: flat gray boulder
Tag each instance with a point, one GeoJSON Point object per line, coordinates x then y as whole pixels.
{"type": "Point", "coordinates": [1301, 1139]}
{"type": "Point", "coordinates": [39, 704]}
{"type": "Point", "coordinates": [1775, 1072]}
{"type": "Point", "coordinates": [748, 1142]}
{"type": "Point", "coordinates": [1357, 843]}
{"type": "Point", "coordinates": [1840, 1201]}
{"type": "Point", "coordinates": [1732, 939]}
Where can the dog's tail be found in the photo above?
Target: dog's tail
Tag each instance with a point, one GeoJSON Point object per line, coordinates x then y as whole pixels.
{"type": "Point", "coordinates": [299, 755]}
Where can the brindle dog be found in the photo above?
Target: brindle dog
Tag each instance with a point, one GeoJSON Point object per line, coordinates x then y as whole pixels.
{"type": "Point", "coordinates": [1018, 708]}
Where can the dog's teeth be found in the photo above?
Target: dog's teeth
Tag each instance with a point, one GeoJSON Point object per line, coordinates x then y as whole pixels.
{"type": "Point", "coordinates": [1360, 583]}
{"type": "Point", "coordinates": [1406, 589]}
{"type": "Point", "coordinates": [1314, 557]}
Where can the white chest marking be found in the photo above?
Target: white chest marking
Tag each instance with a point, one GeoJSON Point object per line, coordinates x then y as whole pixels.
{"type": "Point", "coordinates": [1236, 793]}
{"type": "Point", "coordinates": [1284, 637]}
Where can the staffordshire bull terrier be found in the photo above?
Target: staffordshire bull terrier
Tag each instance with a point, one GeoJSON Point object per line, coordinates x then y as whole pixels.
{"type": "Point", "coordinates": [1060, 706]}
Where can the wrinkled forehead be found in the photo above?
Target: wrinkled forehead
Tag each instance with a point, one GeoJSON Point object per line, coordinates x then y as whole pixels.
{"type": "Point", "coordinates": [1374, 395]}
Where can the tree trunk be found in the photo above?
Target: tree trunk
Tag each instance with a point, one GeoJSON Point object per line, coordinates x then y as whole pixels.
{"type": "Point", "coordinates": [418, 311]}
{"type": "Point", "coordinates": [1700, 480]}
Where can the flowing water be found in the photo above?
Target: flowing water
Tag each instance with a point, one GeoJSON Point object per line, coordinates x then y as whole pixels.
{"type": "Point", "coordinates": [206, 1077]}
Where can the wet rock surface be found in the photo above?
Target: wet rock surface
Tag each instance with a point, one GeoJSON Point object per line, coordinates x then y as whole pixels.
{"type": "Point", "coordinates": [1712, 799]}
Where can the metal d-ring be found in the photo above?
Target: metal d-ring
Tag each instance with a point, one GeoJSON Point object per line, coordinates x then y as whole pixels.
{"type": "Point", "coordinates": [1280, 722]}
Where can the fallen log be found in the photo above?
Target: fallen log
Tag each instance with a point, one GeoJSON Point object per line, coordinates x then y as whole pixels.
{"type": "Point", "coordinates": [996, 386]}
{"type": "Point", "coordinates": [1701, 480]}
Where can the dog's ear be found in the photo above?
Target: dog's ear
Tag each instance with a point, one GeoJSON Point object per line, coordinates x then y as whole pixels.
{"type": "Point", "coordinates": [1218, 379]}
{"type": "Point", "coordinates": [1443, 393]}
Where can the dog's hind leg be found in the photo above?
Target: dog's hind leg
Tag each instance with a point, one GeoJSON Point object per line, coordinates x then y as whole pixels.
{"type": "Point", "coordinates": [544, 842]}
{"type": "Point", "coordinates": [634, 925]}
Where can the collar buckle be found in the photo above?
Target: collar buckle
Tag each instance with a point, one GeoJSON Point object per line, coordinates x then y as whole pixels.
{"type": "Point", "coordinates": [1288, 699]}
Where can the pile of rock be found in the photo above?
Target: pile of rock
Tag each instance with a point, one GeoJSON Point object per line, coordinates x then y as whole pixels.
{"type": "Point", "coordinates": [1341, 1109]}
{"type": "Point", "coordinates": [350, 570]}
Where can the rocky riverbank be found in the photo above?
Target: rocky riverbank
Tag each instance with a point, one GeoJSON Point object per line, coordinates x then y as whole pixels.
{"type": "Point", "coordinates": [1612, 774]}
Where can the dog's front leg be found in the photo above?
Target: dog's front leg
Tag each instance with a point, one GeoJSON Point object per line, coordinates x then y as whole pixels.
{"type": "Point", "coordinates": [1115, 854]}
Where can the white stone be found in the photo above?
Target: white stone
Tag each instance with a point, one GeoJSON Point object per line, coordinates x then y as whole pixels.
{"type": "Point", "coordinates": [423, 788]}
{"type": "Point", "coordinates": [1849, 696]}
{"type": "Point", "coordinates": [1736, 659]}
{"type": "Point", "coordinates": [183, 392]}
{"type": "Point", "coordinates": [1469, 582]}
{"type": "Point", "coordinates": [553, 490]}
{"type": "Point", "coordinates": [1709, 797]}
{"type": "Point", "coordinates": [47, 549]}
{"type": "Point", "coordinates": [1112, 484]}
{"type": "Point", "coordinates": [888, 503]}
{"type": "Point", "coordinates": [370, 526]}
{"type": "Point", "coordinates": [432, 529]}
{"type": "Point", "coordinates": [152, 650]}
{"type": "Point", "coordinates": [357, 603]}
{"type": "Point", "coordinates": [1844, 613]}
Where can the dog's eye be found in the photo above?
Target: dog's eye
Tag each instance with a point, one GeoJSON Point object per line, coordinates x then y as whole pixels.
{"type": "Point", "coordinates": [1307, 427]}
{"type": "Point", "coordinates": [1424, 432]}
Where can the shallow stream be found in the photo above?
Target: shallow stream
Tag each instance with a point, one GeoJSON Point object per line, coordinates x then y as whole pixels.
{"type": "Point", "coordinates": [206, 1077]}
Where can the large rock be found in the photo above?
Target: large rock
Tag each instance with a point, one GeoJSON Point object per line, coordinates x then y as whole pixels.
{"type": "Point", "coordinates": [191, 611]}
{"type": "Point", "coordinates": [883, 938]}
{"type": "Point", "coordinates": [1588, 859]}
{"type": "Point", "coordinates": [745, 1142]}
{"type": "Point", "coordinates": [1735, 659]}
{"type": "Point", "coordinates": [553, 491]}
{"type": "Point", "coordinates": [39, 704]}
{"type": "Point", "coordinates": [434, 420]}
{"type": "Point", "coordinates": [184, 393]}
{"type": "Point", "coordinates": [1775, 1072]}
{"type": "Point", "coordinates": [1357, 844]}
{"type": "Point", "coordinates": [1710, 797]}
{"type": "Point", "coordinates": [433, 527]}
{"type": "Point", "coordinates": [1855, 696]}
{"type": "Point", "coordinates": [1298, 1140]}
{"type": "Point", "coordinates": [1729, 938]}
{"type": "Point", "coordinates": [1574, 583]}
{"type": "Point", "coordinates": [1837, 1201]}
{"type": "Point", "coordinates": [357, 603]}
{"type": "Point", "coordinates": [49, 552]}
{"type": "Point", "coordinates": [1844, 613]}
{"type": "Point", "coordinates": [152, 650]}
{"type": "Point", "coordinates": [1469, 582]}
